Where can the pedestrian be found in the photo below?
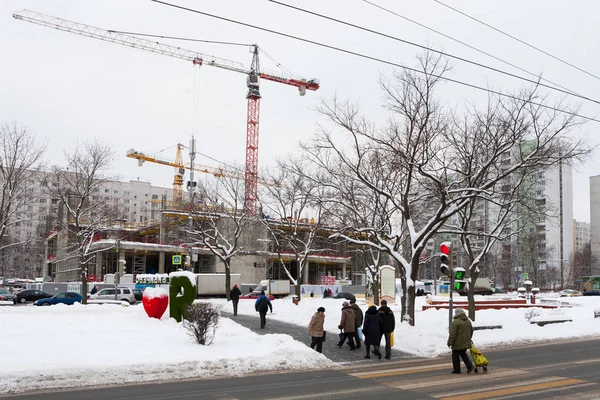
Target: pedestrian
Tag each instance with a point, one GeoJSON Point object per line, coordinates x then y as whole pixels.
{"type": "Point", "coordinates": [358, 322]}
{"type": "Point", "coordinates": [234, 295]}
{"type": "Point", "coordinates": [388, 324]}
{"type": "Point", "coordinates": [94, 290]}
{"type": "Point", "coordinates": [261, 305]}
{"type": "Point", "coordinates": [347, 325]}
{"type": "Point", "coordinates": [459, 340]}
{"type": "Point", "coordinates": [372, 331]}
{"type": "Point", "coordinates": [315, 329]}
{"type": "Point", "coordinates": [326, 293]}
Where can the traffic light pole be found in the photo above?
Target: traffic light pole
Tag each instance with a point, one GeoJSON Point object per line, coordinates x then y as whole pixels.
{"type": "Point", "coordinates": [451, 301]}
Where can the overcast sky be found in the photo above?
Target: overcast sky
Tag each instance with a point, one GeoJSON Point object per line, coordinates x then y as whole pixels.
{"type": "Point", "coordinates": [66, 87]}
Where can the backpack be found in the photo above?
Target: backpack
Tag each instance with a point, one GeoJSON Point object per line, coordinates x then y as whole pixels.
{"type": "Point", "coordinates": [262, 304]}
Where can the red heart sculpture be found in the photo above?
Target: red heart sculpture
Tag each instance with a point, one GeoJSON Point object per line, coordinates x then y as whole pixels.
{"type": "Point", "coordinates": [155, 301]}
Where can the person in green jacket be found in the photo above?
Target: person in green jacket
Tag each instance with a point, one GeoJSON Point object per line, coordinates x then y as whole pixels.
{"type": "Point", "coordinates": [459, 340]}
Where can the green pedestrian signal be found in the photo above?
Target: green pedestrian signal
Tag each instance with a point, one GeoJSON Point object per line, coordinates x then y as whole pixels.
{"type": "Point", "coordinates": [459, 282]}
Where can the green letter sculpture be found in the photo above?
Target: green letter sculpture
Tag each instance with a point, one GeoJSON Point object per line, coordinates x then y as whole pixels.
{"type": "Point", "coordinates": [178, 301]}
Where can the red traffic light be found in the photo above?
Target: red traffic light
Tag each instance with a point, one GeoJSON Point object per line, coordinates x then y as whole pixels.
{"type": "Point", "coordinates": [446, 247]}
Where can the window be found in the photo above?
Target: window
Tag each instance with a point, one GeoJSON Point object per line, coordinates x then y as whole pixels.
{"type": "Point", "coordinates": [106, 191]}
{"type": "Point", "coordinates": [42, 209]}
{"type": "Point", "coordinates": [115, 191]}
{"type": "Point", "coordinates": [154, 197]}
{"type": "Point", "coordinates": [42, 217]}
{"type": "Point", "coordinates": [54, 201]}
{"type": "Point", "coordinates": [146, 194]}
{"type": "Point", "coordinates": [42, 200]}
{"type": "Point", "coordinates": [126, 193]}
{"type": "Point", "coordinates": [126, 201]}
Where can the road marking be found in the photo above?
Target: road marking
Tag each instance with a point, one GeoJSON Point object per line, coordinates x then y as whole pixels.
{"type": "Point", "coordinates": [399, 371]}
{"type": "Point", "coordinates": [449, 380]}
{"type": "Point", "coordinates": [515, 390]}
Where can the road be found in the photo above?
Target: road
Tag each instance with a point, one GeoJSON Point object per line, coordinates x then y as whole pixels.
{"type": "Point", "coordinates": [550, 372]}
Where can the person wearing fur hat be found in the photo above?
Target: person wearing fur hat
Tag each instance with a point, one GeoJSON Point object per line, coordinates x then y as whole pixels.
{"type": "Point", "coordinates": [459, 340]}
{"type": "Point", "coordinates": [234, 295]}
{"type": "Point", "coordinates": [347, 324]}
{"type": "Point", "coordinates": [315, 329]}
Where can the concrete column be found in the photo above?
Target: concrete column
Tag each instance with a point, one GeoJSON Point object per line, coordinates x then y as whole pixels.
{"type": "Point", "coordinates": [344, 271]}
{"type": "Point", "coordinates": [161, 262]}
{"type": "Point", "coordinates": [99, 262]}
{"type": "Point", "coordinates": [305, 272]}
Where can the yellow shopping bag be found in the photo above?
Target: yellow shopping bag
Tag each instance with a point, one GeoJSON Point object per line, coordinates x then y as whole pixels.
{"type": "Point", "coordinates": [392, 339]}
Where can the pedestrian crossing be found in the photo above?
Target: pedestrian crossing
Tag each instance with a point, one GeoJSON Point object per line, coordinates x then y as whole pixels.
{"type": "Point", "coordinates": [432, 378]}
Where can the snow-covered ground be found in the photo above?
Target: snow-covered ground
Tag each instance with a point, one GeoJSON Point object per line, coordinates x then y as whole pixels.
{"type": "Point", "coordinates": [70, 346]}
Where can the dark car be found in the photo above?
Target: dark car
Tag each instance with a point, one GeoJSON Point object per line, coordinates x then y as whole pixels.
{"type": "Point", "coordinates": [139, 294]}
{"type": "Point", "coordinates": [593, 292]}
{"type": "Point", "coordinates": [31, 295]}
{"type": "Point", "coordinates": [68, 298]}
{"type": "Point", "coordinates": [343, 295]}
{"type": "Point", "coordinates": [6, 295]}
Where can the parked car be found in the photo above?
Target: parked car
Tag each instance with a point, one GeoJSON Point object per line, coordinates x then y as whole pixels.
{"type": "Point", "coordinates": [138, 294]}
{"type": "Point", "coordinates": [592, 292]}
{"type": "Point", "coordinates": [6, 295]}
{"type": "Point", "coordinates": [254, 296]}
{"type": "Point", "coordinates": [569, 293]}
{"type": "Point", "coordinates": [343, 295]}
{"type": "Point", "coordinates": [31, 295]}
{"type": "Point", "coordinates": [123, 294]}
{"type": "Point", "coordinates": [67, 298]}
{"type": "Point", "coordinates": [498, 290]}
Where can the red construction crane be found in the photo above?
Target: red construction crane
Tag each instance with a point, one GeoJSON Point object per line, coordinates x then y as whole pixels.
{"type": "Point", "coordinates": [254, 74]}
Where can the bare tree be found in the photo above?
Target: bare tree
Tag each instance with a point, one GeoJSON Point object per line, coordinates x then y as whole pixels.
{"type": "Point", "coordinates": [84, 213]}
{"type": "Point", "coordinates": [292, 211]}
{"type": "Point", "coordinates": [221, 223]}
{"type": "Point", "coordinates": [20, 158]}
{"type": "Point", "coordinates": [434, 168]}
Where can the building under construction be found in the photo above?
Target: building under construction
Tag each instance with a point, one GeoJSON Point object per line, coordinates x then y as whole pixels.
{"type": "Point", "coordinates": [150, 239]}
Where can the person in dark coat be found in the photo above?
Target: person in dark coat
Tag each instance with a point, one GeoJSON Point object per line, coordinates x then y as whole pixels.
{"type": "Point", "coordinates": [261, 305]}
{"type": "Point", "coordinates": [358, 323]}
{"type": "Point", "coordinates": [459, 340]}
{"type": "Point", "coordinates": [372, 331]}
{"type": "Point", "coordinates": [388, 325]}
{"type": "Point", "coordinates": [315, 329]}
{"type": "Point", "coordinates": [94, 290]}
{"type": "Point", "coordinates": [234, 295]}
{"type": "Point", "coordinates": [347, 325]}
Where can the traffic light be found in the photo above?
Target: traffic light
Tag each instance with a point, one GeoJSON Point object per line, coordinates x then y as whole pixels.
{"type": "Point", "coordinates": [446, 258]}
{"type": "Point", "coordinates": [122, 267]}
{"type": "Point", "coordinates": [459, 279]}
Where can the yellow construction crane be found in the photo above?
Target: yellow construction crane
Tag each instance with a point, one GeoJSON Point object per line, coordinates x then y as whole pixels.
{"type": "Point", "coordinates": [180, 168]}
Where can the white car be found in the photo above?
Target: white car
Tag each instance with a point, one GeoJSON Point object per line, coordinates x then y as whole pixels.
{"type": "Point", "coordinates": [569, 293]}
{"type": "Point", "coordinates": [123, 294]}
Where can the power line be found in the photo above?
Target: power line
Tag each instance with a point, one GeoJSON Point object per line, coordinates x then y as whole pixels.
{"type": "Point", "coordinates": [517, 39]}
{"type": "Point", "coordinates": [367, 57]}
{"type": "Point", "coordinates": [434, 50]}
{"type": "Point", "coordinates": [466, 44]}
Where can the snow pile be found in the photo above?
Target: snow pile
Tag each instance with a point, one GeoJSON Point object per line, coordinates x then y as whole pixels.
{"type": "Point", "coordinates": [73, 346]}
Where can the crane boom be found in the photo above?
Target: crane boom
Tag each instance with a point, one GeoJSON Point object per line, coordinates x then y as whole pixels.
{"type": "Point", "coordinates": [218, 172]}
{"type": "Point", "coordinates": [156, 47]}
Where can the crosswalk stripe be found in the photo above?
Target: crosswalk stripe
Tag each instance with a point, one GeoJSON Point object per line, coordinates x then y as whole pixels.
{"type": "Point", "coordinates": [399, 371]}
{"type": "Point", "coordinates": [515, 390]}
{"type": "Point", "coordinates": [453, 380]}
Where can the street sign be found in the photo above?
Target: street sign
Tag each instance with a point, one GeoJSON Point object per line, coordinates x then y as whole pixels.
{"type": "Point", "coordinates": [176, 260]}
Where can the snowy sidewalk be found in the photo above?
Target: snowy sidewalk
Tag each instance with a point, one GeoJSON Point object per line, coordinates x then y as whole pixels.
{"type": "Point", "coordinates": [330, 348]}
